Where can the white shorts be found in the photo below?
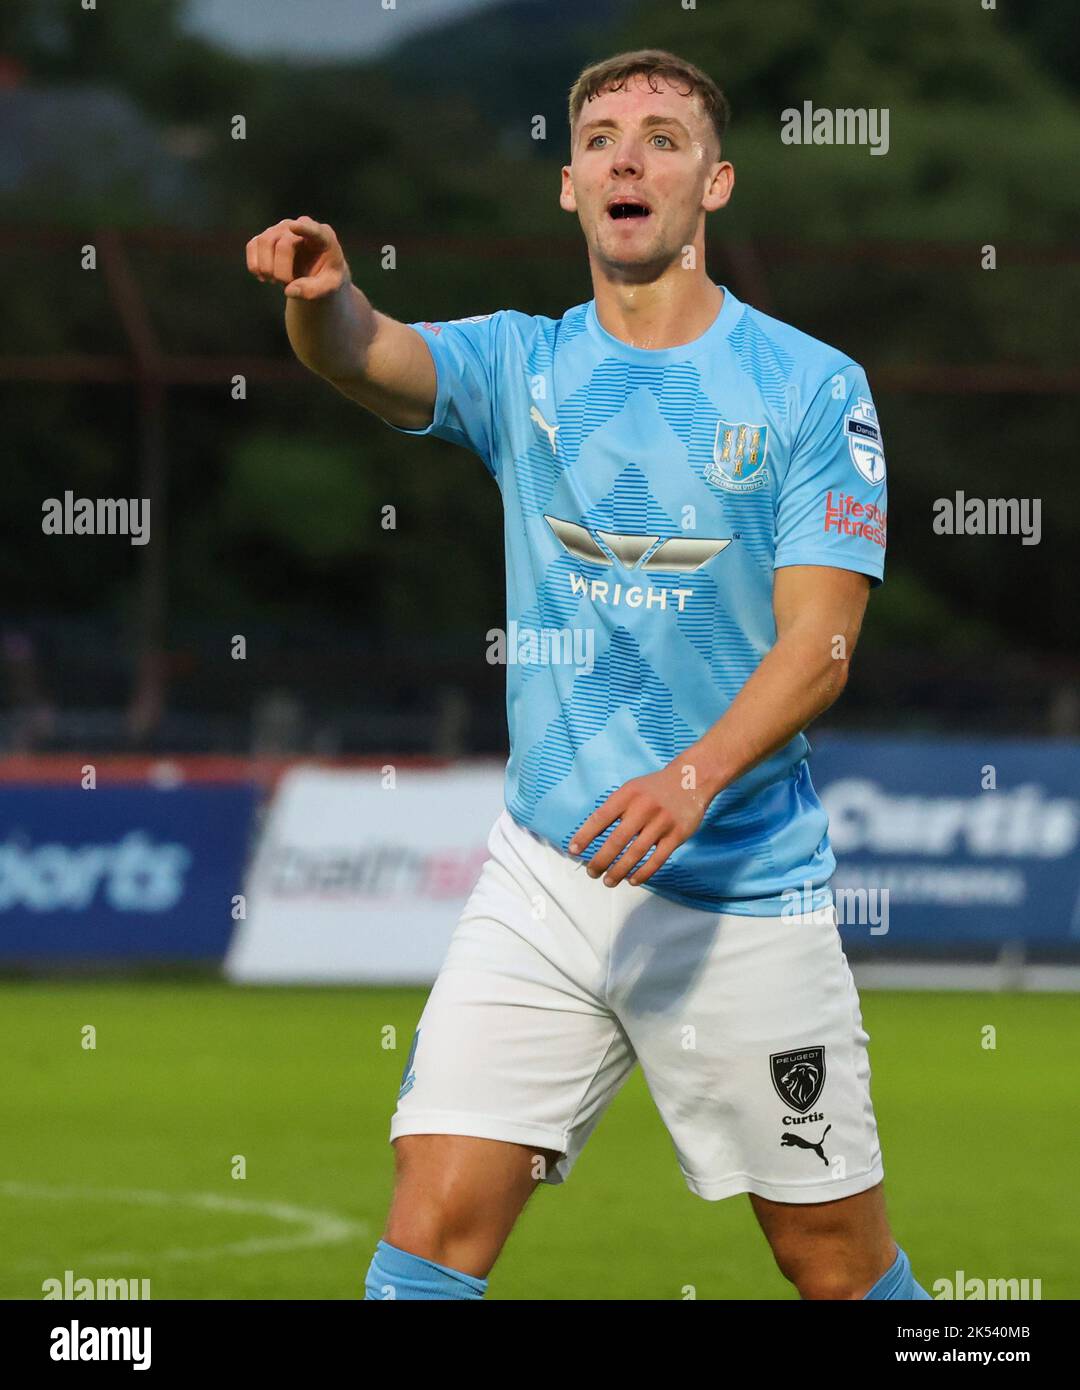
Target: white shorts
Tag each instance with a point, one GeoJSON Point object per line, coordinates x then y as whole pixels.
{"type": "Point", "coordinates": [748, 1030]}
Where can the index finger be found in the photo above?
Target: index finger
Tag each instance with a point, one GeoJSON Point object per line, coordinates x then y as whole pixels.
{"type": "Point", "coordinates": [308, 227]}
{"type": "Point", "coordinates": [596, 824]}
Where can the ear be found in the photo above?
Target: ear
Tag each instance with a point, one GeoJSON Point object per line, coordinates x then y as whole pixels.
{"type": "Point", "coordinates": [718, 193]}
{"type": "Point", "coordinates": [567, 200]}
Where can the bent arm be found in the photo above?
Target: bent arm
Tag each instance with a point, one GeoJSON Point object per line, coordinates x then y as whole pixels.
{"type": "Point", "coordinates": [819, 611]}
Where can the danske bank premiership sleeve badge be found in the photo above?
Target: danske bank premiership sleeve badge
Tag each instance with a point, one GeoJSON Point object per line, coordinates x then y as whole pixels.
{"type": "Point", "coordinates": [864, 440]}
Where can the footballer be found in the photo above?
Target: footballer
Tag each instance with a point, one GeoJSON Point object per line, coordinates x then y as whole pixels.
{"type": "Point", "coordinates": [699, 490]}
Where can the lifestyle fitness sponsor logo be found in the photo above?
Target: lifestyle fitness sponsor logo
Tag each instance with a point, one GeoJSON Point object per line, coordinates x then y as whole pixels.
{"type": "Point", "coordinates": [739, 454]}
{"type": "Point", "coordinates": [437, 328]}
{"type": "Point", "coordinates": [646, 554]}
{"type": "Point", "coordinates": [860, 520]}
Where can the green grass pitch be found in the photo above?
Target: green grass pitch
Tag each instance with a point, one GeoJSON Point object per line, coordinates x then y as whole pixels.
{"type": "Point", "coordinates": [117, 1161]}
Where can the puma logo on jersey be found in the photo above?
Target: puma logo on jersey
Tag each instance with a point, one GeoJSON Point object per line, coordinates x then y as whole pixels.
{"type": "Point", "coordinates": [796, 1141]}
{"type": "Point", "coordinates": [549, 430]}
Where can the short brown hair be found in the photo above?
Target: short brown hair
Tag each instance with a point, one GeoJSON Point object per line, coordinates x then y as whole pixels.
{"type": "Point", "coordinates": [614, 73]}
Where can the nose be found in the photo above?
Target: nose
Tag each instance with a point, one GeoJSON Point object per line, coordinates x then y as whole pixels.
{"type": "Point", "coordinates": [626, 160]}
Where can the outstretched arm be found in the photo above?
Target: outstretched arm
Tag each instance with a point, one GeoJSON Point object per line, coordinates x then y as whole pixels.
{"type": "Point", "coordinates": [334, 329]}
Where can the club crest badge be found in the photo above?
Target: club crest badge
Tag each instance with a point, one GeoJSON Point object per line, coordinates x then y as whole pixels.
{"type": "Point", "coordinates": [798, 1076]}
{"type": "Point", "coordinates": [864, 440]}
{"type": "Point", "coordinates": [739, 454]}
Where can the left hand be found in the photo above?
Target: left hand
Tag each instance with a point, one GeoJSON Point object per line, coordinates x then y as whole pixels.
{"type": "Point", "coordinates": [656, 812]}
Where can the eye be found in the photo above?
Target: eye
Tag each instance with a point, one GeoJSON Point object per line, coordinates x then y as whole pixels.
{"type": "Point", "coordinates": [593, 141]}
{"type": "Point", "coordinates": [663, 137]}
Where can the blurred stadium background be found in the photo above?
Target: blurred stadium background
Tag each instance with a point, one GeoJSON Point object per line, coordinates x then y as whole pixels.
{"type": "Point", "coordinates": [238, 688]}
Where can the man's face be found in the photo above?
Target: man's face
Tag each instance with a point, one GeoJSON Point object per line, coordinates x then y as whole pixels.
{"type": "Point", "coordinates": [644, 166]}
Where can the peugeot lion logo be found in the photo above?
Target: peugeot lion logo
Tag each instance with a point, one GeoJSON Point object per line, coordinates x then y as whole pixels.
{"type": "Point", "coordinates": [798, 1076]}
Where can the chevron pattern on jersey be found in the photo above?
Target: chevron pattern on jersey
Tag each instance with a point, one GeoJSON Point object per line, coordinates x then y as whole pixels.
{"type": "Point", "coordinates": [621, 677]}
{"type": "Point", "coordinates": [764, 361]}
{"type": "Point", "coordinates": [613, 439]}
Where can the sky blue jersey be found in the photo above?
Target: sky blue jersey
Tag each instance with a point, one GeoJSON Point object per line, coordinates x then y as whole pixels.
{"type": "Point", "coordinates": [648, 495]}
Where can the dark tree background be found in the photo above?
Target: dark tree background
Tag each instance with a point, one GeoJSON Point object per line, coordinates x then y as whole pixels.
{"type": "Point", "coordinates": [121, 121]}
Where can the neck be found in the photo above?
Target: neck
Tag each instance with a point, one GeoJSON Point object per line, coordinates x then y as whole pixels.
{"type": "Point", "coordinates": [676, 308]}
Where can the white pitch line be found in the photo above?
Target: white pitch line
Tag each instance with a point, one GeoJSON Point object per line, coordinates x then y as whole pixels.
{"type": "Point", "coordinates": [320, 1227]}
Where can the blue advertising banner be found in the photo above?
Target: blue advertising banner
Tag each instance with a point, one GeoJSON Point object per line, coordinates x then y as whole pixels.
{"type": "Point", "coordinates": [121, 873]}
{"type": "Point", "coordinates": [961, 840]}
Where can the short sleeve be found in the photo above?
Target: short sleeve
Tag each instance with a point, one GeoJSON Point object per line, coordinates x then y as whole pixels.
{"type": "Point", "coordinates": [464, 357]}
{"type": "Point", "coordinates": [832, 505]}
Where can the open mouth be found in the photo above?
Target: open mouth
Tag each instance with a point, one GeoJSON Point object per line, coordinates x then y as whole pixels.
{"type": "Point", "coordinates": [627, 207]}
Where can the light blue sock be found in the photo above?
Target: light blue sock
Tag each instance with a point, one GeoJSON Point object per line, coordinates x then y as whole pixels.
{"type": "Point", "coordinates": [898, 1281]}
{"type": "Point", "coordinates": [395, 1274]}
